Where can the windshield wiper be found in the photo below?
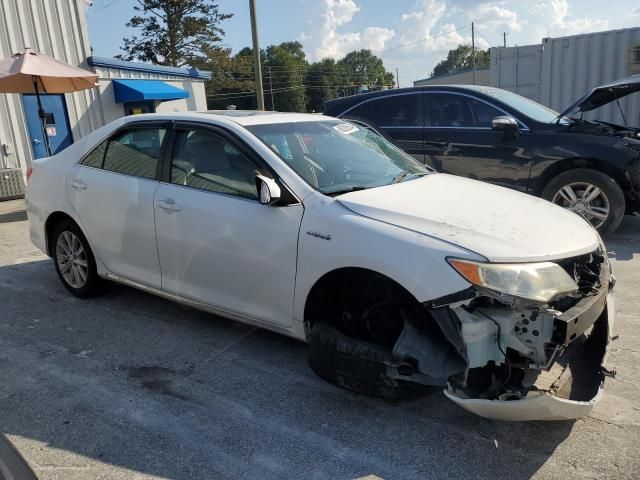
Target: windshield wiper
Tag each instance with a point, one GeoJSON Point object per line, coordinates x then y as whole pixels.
{"type": "Point", "coordinates": [406, 173]}
{"type": "Point", "coordinates": [354, 188]}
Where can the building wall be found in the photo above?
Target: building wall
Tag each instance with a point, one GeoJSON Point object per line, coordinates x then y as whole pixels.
{"type": "Point", "coordinates": [56, 28]}
{"type": "Point", "coordinates": [561, 70]}
{"type": "Point", "coordinates": [459, 78]}
{"type": "Point", "coordinates": [109, 110]}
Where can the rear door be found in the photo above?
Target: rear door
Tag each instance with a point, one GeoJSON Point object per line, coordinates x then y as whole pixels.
{"type": "Point", "coordinates": [217, 243]}
{"type": "Point", "coordinates": [459, 140]}
{"type": "Point", "coordinates": [112, 192]}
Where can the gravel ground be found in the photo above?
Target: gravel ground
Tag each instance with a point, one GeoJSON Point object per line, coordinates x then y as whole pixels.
{"type": "Point", "coordinates": [130, 386]}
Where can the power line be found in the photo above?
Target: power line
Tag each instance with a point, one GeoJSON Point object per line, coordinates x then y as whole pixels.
{"type": "Point", "coordinates": [430, 37]}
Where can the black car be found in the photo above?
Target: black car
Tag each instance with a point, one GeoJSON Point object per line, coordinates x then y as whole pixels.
{"type": "Point", "coordinates": [485, 133]}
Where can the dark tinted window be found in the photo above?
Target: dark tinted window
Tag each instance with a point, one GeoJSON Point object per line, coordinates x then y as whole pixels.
{"type": "Point", "coordinates": [135, 152]}
{"type": "Point", "coordinates": [361, 111]}
{"type": "Point", "coordinates": [447, 110]}
{"type": "Point", "coordinates": [94, 159]}
{"type": "Point", "coordinates": [205, 161]}
{"type": "Point", "coordinates": [397, 111]}
{"type": "Point", "coordinates": [483, 113]}
{"type": "Point", "coordinates": [451, 110]}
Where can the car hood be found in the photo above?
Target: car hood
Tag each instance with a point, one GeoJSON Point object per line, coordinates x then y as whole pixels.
{"type": "Point", "coordinates": [500, 224]}
{"type": "Point", "coordinates": [604, 94]}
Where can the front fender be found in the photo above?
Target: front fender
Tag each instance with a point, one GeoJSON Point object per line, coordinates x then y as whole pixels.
{"type": "Point", "coordinates": [333, 237]}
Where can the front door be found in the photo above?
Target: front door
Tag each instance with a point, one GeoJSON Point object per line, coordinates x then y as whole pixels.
{"type": "Point", "coordinates": [459, 140]}
{"type": "Point", "coordinates": [217, 243]}
{"type": "Point", "coordinates": [56, 129]}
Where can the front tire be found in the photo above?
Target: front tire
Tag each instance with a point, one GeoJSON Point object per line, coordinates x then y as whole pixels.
{"type": "Point", "coordinates": [591, 194]}
{"type": "Point", "coordinates": [74, 260]}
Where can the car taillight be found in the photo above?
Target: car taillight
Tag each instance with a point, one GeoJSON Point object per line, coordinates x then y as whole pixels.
{"type": "Point", "coordinates": [29, 172]}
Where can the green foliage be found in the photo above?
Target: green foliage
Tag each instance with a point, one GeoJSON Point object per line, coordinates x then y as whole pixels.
{"type": "Point", "coordinates": [366, 69]}
{"type": "Point", "coordinates": [174, 32]}
{"type": "Point", "coordinates": [284, 67]}
{"type": "Point", "coordinates": [461, 58]}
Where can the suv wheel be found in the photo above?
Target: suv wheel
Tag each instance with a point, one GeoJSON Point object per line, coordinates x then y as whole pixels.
{"type": "Point", "coordinates": [74, 261]}
{"type": "Point", "coordinates": [591, 194]}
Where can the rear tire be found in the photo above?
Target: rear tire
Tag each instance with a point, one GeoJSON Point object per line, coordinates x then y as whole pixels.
{"type": "Point", "coordinates": [74, 260]}
{"type": "Point", "coordinates": [571, 189]}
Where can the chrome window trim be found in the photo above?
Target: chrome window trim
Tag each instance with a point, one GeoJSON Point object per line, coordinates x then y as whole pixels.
{"type": "Point", "coordinates": [523, 126]}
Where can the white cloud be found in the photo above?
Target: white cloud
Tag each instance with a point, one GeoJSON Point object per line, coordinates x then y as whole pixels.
{"type": "Point", "coordinates": [327, 41]}
{"type": "Point", "coordinates": [556, 13]}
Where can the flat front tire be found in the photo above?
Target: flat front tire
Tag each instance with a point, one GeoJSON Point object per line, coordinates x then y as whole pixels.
{"type": "Point", "coordinates": [74, 260]}
{"type": "Point", "coordinates": [591, 194]}
{"type": "Point", "coordinates": [354, 364]}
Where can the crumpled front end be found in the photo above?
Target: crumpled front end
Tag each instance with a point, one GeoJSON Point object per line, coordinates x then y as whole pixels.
{"type": "Point", "coordinates": [509, 358]}
{"type": "Point", "coordinates": [567, 389]}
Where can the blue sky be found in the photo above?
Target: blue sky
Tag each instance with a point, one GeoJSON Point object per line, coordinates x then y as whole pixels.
{"type": "Point", "coordinates": [330, 28]}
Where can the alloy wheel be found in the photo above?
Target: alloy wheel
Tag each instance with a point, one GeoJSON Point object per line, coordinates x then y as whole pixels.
{"type": "Point", "coordinates": [72, 259]}
{"type": "Point", "coordinates": [585, 199]}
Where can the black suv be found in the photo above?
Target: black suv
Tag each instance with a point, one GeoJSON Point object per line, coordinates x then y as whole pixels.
{"type": "Point", "coordinates": [485, 133]}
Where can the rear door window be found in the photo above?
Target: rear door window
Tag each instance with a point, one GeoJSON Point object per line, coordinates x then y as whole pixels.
{"type": "Point", "coordinates": [135, 152]}
{"type": "Point", "coordinates": [397, 111]}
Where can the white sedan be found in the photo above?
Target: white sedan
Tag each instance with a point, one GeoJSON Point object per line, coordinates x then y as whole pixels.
{"type": "Point", "coordinates": [398, 277]}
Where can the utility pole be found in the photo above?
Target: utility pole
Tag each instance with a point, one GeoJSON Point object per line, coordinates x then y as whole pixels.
{"type": "Point", "coordinates": [504, 35]}
{"type": "Point", "coordinates": [256, 55]}
{"type": "Point", "coordinates": [271, 88]}
{"type": "Point", "coordinates": [473, 52]}
{"type": "Point", "coordinates": [304, 99]}
{"type": "Point", "coordinates": [397, 79]}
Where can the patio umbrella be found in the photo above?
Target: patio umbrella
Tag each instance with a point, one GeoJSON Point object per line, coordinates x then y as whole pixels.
{"type": "Point", "coordinates": [33, 72]}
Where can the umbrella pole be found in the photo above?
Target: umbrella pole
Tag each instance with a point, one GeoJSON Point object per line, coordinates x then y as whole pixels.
{"type": "Point", "coordinates": [42, 116]}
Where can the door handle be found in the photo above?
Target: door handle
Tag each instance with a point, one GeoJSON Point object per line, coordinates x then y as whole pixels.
{"type": "Point", "coordinates": [169, 205]}
{"type": "Point", "coordinates": [79, 185]}
{"type": "Point", "coordinates": [35, 141]}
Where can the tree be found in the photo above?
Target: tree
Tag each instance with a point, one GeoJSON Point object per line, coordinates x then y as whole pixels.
{"type": "Point", "coordinates": [325, 80]}
{"type": "Point", "coordinates": [366, 69]}
{"type": "Point", "coordinates": [460, 58]}
{"type": "Point", "coordinates": [174, 32]}
{"type": "Point", "coordinates": [232, 78]}
{"type": "Point", "coordinates": [284, 68]}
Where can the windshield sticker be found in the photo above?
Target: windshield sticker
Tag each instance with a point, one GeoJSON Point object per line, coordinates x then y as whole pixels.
{"type": "Point", "coordinates": [346, 128]}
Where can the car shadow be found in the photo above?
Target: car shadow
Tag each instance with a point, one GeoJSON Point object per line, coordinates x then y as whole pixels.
{"type": "Point", "coordinates": [17, 216]}
{"type": "Point", "coordinates": [131, 381]}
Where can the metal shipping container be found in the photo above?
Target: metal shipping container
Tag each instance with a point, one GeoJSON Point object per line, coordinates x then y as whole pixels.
{"type": "Point", "coordinates": [560, 70]}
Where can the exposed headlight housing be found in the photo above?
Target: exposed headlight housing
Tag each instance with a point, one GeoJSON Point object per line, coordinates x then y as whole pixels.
{"type": "Point", "coordinates": [540, 281]}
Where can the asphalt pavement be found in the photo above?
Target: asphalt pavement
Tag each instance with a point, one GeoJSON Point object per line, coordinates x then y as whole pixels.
{"type": "Point", "coordinates": [131, 386]}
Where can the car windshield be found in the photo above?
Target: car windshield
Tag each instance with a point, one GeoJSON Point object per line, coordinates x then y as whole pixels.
{"type": "Point", "coordinates": [336, 156]}
{"type": "Point", "coordinates": [531, 109]}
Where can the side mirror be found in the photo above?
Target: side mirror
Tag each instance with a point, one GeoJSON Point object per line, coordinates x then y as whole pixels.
{"type": "Point", "coordinates": [504, 123]}
{"type": "Point", "coordinates": [268, 190]}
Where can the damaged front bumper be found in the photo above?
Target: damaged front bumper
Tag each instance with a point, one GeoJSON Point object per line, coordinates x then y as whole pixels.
{"type": "Point", "coordinates": [513, 359]}
{"type": "Point", "coordinates": [568, 390]}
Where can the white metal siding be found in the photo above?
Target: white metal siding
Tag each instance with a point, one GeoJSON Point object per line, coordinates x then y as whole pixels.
{"type": "Point", "coordinates": [109, 110]}
{"type": "Point", "coordinates": [459, 78]}
{"type": "Point", "coordinates": [566, 68]}
{"type": "Point", "coordinates": [57, 28]}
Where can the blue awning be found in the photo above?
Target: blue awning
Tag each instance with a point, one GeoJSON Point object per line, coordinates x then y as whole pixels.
{"type": "Point", "coordinates": [136, 90]}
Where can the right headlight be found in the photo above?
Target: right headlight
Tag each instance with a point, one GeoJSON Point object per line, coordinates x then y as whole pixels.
{"type": "Point", "coordinates": [540, 281]}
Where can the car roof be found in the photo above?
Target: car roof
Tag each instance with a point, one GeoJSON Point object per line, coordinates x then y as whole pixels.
{"type": "Point", "coordinates": [240, 117]}
{"type": "Point", "coordinates": [352, 100]}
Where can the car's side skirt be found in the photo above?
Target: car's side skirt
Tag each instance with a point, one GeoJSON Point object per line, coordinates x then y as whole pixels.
{"type": "Point", "coordinates": [200, 305]}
